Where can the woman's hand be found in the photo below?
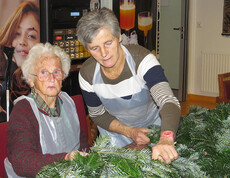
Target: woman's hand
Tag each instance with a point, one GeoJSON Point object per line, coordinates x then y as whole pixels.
{"type": "Point", "coordinates": [164, 150]}
{"type": "Point", "coordinates": [70, 156]}
{"type": "Point", "coordinates": [138, 134]}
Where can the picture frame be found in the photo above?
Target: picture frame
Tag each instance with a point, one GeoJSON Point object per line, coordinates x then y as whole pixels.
{"type": "Point", "coordinates": [226, 18]}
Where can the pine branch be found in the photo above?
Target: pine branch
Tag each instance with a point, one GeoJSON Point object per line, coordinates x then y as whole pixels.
{"type": "Point", "coordinates": [202, 142]}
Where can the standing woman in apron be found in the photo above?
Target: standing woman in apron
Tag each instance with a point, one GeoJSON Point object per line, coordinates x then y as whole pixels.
{"type": "Point", "coordinates": [125, 88]}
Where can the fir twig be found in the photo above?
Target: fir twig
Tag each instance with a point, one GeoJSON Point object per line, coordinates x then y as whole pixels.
{"type": "Point", "coordinates": [202, 142]}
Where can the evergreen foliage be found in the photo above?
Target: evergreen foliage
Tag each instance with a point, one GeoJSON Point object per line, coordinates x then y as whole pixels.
{"type": "Point", "coordinates": [203, 144]}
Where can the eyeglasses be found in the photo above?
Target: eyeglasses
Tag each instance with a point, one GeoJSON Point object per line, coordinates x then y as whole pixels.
{"type": "Point", "coordinates": [45, 75]}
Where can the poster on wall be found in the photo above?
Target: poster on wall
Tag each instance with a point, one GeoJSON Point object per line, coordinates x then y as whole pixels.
{"type": "Point", "coordinates": [13, 28]}
{"type": "Point", "coordinates": [226, 18]}
{"type": "Point", "coordinates": [19, 32]}
{"type": "Point", "coordinates": [139, 22]}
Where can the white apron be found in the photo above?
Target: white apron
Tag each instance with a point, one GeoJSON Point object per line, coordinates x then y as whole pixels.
{"type": "Point", "coordinates": [57, 135]}
{"type": "Point", "coordinates": [139, 111]}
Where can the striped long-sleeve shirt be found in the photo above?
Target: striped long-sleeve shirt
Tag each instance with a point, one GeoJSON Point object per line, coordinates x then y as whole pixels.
{"type": "Point", "coordinates": [150, 71]}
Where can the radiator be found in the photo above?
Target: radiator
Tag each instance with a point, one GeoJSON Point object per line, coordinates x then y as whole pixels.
{"type": "Point", "coordinates": [212, 65]}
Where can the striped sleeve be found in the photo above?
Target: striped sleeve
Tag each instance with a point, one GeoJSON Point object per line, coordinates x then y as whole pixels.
{"type": "Point", "coordinates": [153, 74]}
{"type": "Point", "coordinates": [88, 93]}
{"type": "Point", "coordinates": [96, 109]}
{"type": "Point", "coordinates": [169, 107]}
{"type": "Point", "coordinates": [163, 94]}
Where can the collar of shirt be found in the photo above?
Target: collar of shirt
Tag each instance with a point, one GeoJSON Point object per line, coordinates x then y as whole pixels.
{"type": "Point", "coordinates": [44, 107]}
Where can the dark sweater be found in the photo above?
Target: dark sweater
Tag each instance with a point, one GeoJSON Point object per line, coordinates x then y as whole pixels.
{"type": "Point", "coordinates": [23, 142]}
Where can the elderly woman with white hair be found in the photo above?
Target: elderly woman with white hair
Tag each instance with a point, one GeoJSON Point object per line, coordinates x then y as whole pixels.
{"type": "Point", "coordinates": [43, 126]}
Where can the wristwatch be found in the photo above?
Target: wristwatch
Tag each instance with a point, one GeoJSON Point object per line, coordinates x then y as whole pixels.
{"type": "Point", "coordinates": [168, 133]}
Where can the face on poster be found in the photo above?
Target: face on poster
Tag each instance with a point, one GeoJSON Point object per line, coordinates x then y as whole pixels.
{"type": "Point", "coordinates": [20, 28]}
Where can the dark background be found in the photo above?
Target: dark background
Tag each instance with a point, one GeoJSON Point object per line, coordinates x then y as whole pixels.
{"type": "Point", "coordinates": [55, 15]}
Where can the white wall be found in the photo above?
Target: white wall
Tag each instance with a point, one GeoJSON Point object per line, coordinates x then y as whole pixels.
{"type": "Point", "coordinates": [205, 28]}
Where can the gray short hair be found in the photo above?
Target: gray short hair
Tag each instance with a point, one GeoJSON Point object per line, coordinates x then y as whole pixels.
{"type": "Point", "coordinates": [40, 50]}
{"type": "Point", "coordinates": [90, 24]}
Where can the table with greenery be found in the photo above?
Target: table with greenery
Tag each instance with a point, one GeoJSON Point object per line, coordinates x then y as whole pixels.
{"type": "Point", "coordinates": [203, 144]}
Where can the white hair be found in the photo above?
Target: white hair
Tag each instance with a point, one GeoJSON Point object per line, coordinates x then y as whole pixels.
{"type": "Point", "coordinates": [41, 50]}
